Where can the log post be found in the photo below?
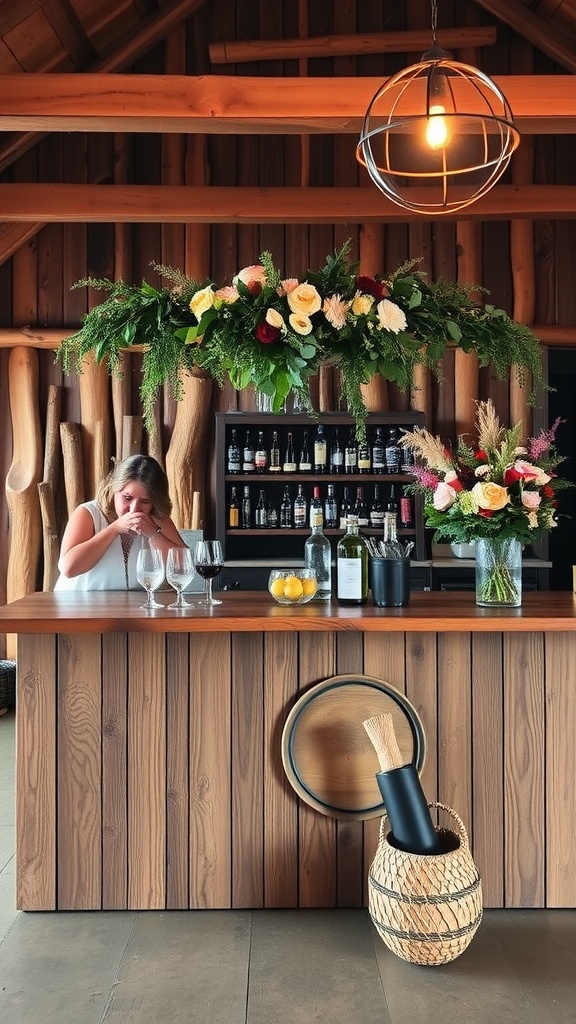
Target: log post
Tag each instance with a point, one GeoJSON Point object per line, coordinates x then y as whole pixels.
{"type": "Point", "coordinates": [374, 394]}
{"type": "Point", "coordinates": [49, 534]}
{"type": "Point", "coordinates": [186, 455]}
{"type": "Point", "coordinates": [93, 384]}
{"type": "Point", "coordinates": [71, 440]}
{"type": "Point", "coordinates": [131, 436]}
{"type": "Point", "coordinates": [466, 371]}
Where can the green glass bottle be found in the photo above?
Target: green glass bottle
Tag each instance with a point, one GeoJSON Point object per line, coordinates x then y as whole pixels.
{"type": "Point", "coordinates": [352, 566]}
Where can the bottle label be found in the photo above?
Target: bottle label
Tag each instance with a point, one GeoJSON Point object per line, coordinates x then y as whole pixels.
{"type": "Point", "coordinates": [305, 467]}
{"type": "Point", "coordinates": [364, 464]}
{"type": "Point", "coordinates": [234, 466]}
{"type": "Point", "coordinates": [350, 578]}
{"type": "Point", "coordinates": [260, 460]}
{"type": "Point", "coordinates": [233, 518]}
{"type": "Point", "coordinates": [377, 518]}
{"type": "Point", "coordinates": [289, 467]}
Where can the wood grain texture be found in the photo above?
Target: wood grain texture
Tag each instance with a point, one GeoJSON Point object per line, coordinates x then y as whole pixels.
{"type": "Point", "coordinates": [349, 834]}
{"type": "Point", "coordinates": [454, 725]}
{"type": "Point", "coordinates": [524, 838]}
{"type": "Point", "coordinates": [560, 797]}
{"type": "Point", "coordinates": [210, 782]}
{"type": "Point", "coordinates": [146, 773]}
{"type": "Point", "coordinates": [280, 801]}
{"type": "Point", "coordinates": [177, 772]}
{"type": "Point", "coordinates": [36, 814]}
{"type": "Point", "coordinates": [486, 829]}
{"type": "Point", "coordinates": [114, 772]}
{"type": "Point", "coordinates": [247, 770]}
{"type": "Point", "coordinates": [79, 770]}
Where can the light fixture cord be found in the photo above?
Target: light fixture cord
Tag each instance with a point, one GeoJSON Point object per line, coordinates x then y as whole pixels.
{"type": "Point", "coordinates": [434, 21]}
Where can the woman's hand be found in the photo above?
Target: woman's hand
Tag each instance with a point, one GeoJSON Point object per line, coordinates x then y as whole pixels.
{"type": "Point", "coordinates": [137, 522]}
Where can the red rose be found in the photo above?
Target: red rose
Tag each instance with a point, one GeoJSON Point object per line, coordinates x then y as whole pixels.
{"type": "Point", "coordinates": [511, 476]}
{"type": "Point", "coordinates": [486, 512]}
{"type": "Point", "coordinates": [267, 334]}
{"type": "Point", "coordinates": [547, 491]}
{"type": "Point", "coordinates": [480, 454]}
{"type": "Point", "coordinates": [370, 286]}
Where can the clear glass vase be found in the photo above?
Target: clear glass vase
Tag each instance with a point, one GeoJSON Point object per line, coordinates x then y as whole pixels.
{"type": "Point", "coordinates": [498, 572]}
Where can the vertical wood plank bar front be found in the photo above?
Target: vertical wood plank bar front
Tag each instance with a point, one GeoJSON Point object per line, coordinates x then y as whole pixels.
{"type": "Point", "coordinates": [146, 771]}
{"type": "Point", "coordinates": [247, 770]}
{"type": "Point", "coordinates": [79, 758]}
{"type": "Point", "coordinates": [317, 832]}
{"type": "Point", "coordinates": [177, 771]}
{"type": "Point", "coordinates": [560, 770]}
{"type": "Point", "coordinates": [349, 834]}
{"type": "Point", "coordinates": [114, 771]}
{"type": "Point", "coordinates": [210, 768]}
{"type": "Point", "coordinates": [524, 769]}
{"type": "Point", "coordinates": [280, 801]}
{"type": "Point", "coordinates": [455, 724]}
{"type": "Point", "coordinates": [36, 773]}
{"type": "Point", "coordinates": [487, 833]}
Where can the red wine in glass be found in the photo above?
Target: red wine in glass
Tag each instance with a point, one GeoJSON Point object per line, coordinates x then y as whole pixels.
{"type": "Point", "coordinates": [208, 572]}
{"type": "Point", "coordinates": [208, 562]}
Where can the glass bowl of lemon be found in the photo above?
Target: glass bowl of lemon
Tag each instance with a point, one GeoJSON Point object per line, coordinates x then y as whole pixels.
{"type": "Point", "coordinates": [292, 586]}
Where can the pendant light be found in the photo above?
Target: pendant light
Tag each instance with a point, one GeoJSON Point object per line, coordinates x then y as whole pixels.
{"type": "Point", "coordinates": [438, 135]}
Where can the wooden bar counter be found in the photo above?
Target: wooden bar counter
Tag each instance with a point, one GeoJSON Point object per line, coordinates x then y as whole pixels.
{"type": "Point", "coordinates": [149, 771]}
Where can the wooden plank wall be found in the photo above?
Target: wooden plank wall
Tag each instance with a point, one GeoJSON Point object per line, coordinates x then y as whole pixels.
{"type": "Point", "coordinates": [159, 783]}
{"type": "Point", "coordinates": [35, 283]}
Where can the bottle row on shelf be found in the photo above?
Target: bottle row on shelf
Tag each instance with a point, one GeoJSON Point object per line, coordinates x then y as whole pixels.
{"type": "Point", "coordinates": [287, 510]}
{"type": "Point", "coordinates": [295, 452]}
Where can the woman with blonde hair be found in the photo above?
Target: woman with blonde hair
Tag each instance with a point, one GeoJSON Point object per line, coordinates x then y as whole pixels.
{"type": "Point", "coordinates": [98, 550]}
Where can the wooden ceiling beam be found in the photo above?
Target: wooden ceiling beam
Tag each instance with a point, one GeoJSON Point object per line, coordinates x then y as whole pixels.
{"type": "Point", "coordinates": [542, 33]}
{"type": "Point", "coordinates": [241, 52]}
{"type": "Point", "coordinates": [239, 104]}
{"type": "Point", "coordinates": [183, 204]}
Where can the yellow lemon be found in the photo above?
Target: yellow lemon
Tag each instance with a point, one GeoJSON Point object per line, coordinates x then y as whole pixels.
{"type": "Point", "coordinates": [293, 588]}
{"type": "Point", "coordinates": [309, 587]}
{"type": "Point", "coordinates": [277, 587]}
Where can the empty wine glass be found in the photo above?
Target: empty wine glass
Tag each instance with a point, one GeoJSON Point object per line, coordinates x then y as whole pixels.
{"type": "Point", "coordinates": [150, 573]}
{"type": "Point", "coordinates": [179, 573]}
{"type": "Point", "coordinates": [208, 561]}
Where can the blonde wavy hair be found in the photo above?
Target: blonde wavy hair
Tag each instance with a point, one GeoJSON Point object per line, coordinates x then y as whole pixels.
{"type": "Point", "coordinates": [142, 469]}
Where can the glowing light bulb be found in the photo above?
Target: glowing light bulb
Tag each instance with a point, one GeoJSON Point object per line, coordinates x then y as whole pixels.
{"type": "Point", "coordinates": [436, 128]}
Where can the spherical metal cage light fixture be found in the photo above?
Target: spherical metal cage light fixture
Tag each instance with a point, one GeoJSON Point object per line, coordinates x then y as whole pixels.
{"type": "Point", "coordinates": [437, 136]}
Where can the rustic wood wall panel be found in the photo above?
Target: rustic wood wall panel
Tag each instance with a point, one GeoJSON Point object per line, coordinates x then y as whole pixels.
{"type": "Point", "coordinates": [177, 772]}
{"type": "Point", "coordinates": [79, 711]}
{"type": "Point", "coordinates": [114, 771]}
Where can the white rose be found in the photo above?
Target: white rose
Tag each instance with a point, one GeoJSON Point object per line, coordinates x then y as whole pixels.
{"type": "Point", "coordinates": [391, 317]}
{"type": "Point", "coordinates": [202, 301]}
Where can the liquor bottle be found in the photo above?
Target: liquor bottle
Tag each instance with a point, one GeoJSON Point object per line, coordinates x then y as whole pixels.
{"type": "Point", "coordinates": [316, 507]}
{"type": "Point", "coordinates": [260, 515]}
{"type": "Point", "coordinates": [345, 508]}
{"type": "Point", "coordinates": [391, 546]}
{"type": "Point", "coordinates": [320, 451]}
{"type": "Point", "coordinates": [392, 503]}
{"type": "Point", "coordinates": [300, 509]}
{"type": "Point", "coordinates": [248, 465]}
{"type": "Point", "coordinates": [246, 510]}
{"type": "Point", "coordinates": [233, 510]}
{"type": "Point", "coordinates": [377, 509]}
{"type": "Point", "coordinates": [330, 509]}
{"type": "Point", "coordinates": [272, 516]}
{"type": "Point", "coordinates": [336, 455]}
{"type": "Point", "coordinates": [234, 464]}
{"type": "Point", "coordinates": [318, 556]}
{"type": "Point", "coordinates": [274, 455]}
{"type": "Point", "coordinates": [360, 510]}
{"type": "Point", "coordinates": [364, 460]}
{"type": "Point", "coordinates": [286, 510]}
{"type": "Point", "coordinates": [393, 453]}
{"type": "Point", "coordinates": [406, 511]}
{"type": "Point", "coordinates": [407, 460]}
{"type": "Point", "coordinates": [352, 566]}
{"type": "Point", "coordinates": [289, 458]}
{"type": "Point", "coordinates": [379, 452]}
{"type": "Point", "coordinates": [304, 465]}
{"type": "Point", "coordinates": [351, 454]}
{"type": "Point", "coordinates": [261, 455]}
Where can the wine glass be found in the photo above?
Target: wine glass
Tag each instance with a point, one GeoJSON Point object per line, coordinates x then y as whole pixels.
{"type": "Point", "coordinates": [208, 561]}
{"type": "Point", "coordinates": [150, 573]}
{"type": "Point", "coordinates": [179, 573]}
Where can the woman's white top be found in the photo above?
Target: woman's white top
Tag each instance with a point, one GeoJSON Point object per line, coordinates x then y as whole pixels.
{"type": "Point", "coordinates": [109, 573]}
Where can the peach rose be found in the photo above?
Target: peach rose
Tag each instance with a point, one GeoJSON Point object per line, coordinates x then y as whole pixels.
{"type": "Point", "coordinates": [362, 304]}
{"type": "Point", "coordinates": [229, 293]}
{"type": "Point", "coordinates": [305, 300]}
{"type": "Point", "coordinates": [202, 301]}
{"type": "Point", "coordinates": [531, 499]}
{"type": "Point", "coordinates": [490, 495]}
{"type": "Point", "coordinates": [275, 319]}
{"type": "Point", "coordinates": [300, 324]}
{"type": "Point", "coordinates": [253, 277]}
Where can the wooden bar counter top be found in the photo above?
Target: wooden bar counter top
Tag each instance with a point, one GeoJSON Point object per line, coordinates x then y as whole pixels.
{"type": "Point", "coordinates": [149, 767]}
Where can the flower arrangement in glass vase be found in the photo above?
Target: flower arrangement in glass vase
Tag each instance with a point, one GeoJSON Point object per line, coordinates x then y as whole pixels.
{"type": "Point", "coordinates": [496, 492]}
{"type": "Point", "coordinates": [274, 332]}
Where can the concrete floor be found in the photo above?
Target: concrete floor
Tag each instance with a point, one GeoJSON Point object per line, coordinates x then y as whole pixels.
{"type": "Point", "coordinates": [265, 966]}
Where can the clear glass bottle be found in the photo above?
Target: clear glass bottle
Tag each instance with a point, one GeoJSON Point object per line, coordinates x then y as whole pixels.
{"type": "Point", "coordinates": [336, 455]}
{"type": "Point", "coordinates": [304, 465]}
{"type": "Point", "coordinates": [248, 465]}
{"type": "Point", "coordinates": [233, 511]}
{"type": "Point", "coordinates": [320, 451]}
{"type": "Point", "coordinates": [330, 509]}
{"type": "Point", "coordinates": [379, 452]}
{"type": "Point", "coordinates": [286, 510]}
{"type": "Point", "coordinates": [318, 556]}
{"type": "Point", "coordinates": [246, 510]}
{"type": "Point", "coordinates": [261, 455]}
{"type": "Point", "coordinates": [275, 466]}
{"type": "Point", "coordinates": [352, 566]}
{"type": "Point", "coordinates": [289, 458]}
{"type": "Point", "coordinates": [300, 509]}
{"type": "Point", "coordinates": [260, 513]}
{"type": "Point", "coordinates": [234, 464]}
{"type": "Point", "coordinates": [391, 546]}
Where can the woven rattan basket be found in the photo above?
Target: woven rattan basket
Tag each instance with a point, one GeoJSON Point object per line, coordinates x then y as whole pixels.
{"type": "Point", "coordinates": [426, 908]}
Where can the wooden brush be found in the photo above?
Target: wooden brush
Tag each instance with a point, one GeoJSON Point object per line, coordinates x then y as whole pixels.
{"type": "Point", "coordinates": [399, 784]}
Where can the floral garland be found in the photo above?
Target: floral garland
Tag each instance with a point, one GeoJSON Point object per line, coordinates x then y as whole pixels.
{"type": "Point", "coordinates": [274, 333]}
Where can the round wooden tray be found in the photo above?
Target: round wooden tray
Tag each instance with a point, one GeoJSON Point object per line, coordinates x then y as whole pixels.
{"type": "Point", "coordinates": [327, 754]}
